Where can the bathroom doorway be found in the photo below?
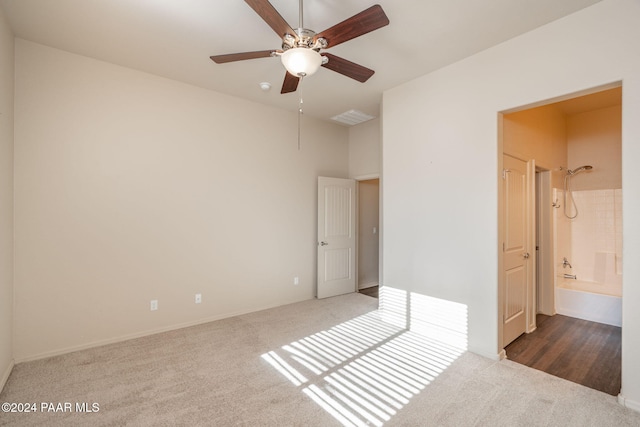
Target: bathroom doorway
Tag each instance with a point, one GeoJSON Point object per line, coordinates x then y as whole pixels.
{"type": "Point", "coordinates": [576, 146]}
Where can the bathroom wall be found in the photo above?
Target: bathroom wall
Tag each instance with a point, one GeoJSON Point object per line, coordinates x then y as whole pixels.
{"type": "Point", "coordinates": [538, 133]}
{"type": "Point", "coordinates": [594, 138]}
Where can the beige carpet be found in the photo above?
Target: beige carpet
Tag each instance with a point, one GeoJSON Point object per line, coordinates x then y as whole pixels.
{"type": "Point", "coordinates": [317, 363]}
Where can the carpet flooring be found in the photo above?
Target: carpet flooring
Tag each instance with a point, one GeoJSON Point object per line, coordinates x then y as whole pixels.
{"type": "Point", "coordinates": [325, 362]}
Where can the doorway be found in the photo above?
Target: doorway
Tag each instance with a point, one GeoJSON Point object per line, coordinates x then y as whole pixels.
{"type": "Point", "coordinates": [368, 236]}
{"type": "Point", "coordinates": [348, 236]}
{"type": "Point", "coordinates": [577, 142]}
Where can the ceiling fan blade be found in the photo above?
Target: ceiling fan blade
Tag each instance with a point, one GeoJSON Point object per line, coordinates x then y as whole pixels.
{"type": "Point", "coordinates": [347, 68]}
{"type": "Point", "coordinates": [271, 16]}
{"type": "Point", "coordinates": [231, 57]}
{"type": "Point", "coordinates": [362, 23]}
{"type": "Point", "coordinates": [290, 83]}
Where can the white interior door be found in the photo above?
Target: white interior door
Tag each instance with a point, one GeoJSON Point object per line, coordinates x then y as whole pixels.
{"type": "Point", "coordinates": [336, 237]}
{"type": "Point", "coordinates": [516, 256]}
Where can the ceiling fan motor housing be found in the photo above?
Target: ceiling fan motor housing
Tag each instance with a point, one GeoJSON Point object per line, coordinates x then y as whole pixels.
{"type": "Point", "coordinates": [303, 38]}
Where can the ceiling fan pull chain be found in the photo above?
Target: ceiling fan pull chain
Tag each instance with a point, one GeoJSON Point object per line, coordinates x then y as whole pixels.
{"type": "Point", "coordinates": [300, 111]}
{"type": "Point", "coordinates": [299, 114]}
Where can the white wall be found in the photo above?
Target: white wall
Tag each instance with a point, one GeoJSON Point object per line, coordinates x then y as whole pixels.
{"type": "Point", "coordinates": [130, 187]}
{"type": "Point", "coordinates": [364, 163]}
{"type": "Point", "coordinates": [441, 162]}
{"type": "Point", "coordinates": [364, 149]}
{"type": "Point", "coordinates": [6, 199]}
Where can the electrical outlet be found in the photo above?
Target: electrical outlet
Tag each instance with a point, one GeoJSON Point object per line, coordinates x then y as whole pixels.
{"type": "Point", "coordinates": [198, 298]}
{"type": "Point", "coordinates": [154, 304]}
{"type": "Point", "coordinates": [296, 281]}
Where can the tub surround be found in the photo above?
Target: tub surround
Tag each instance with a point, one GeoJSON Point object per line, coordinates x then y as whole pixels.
{"type": "Point", "coordinates": [584, 300]}
{"type": "Point", "coordinates": [589, 284]}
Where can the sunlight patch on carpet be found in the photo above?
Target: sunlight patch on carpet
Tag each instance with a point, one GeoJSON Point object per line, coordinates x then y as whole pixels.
{"type": "Point", "coordinates": [365, 370]}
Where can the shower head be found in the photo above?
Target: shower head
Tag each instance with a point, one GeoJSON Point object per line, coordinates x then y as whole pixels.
{"type": "Point", "coordinates": [580, 169]}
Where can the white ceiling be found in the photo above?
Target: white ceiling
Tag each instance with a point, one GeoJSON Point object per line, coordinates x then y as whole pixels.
{"type": "Point", "coordinates": [174, 39]}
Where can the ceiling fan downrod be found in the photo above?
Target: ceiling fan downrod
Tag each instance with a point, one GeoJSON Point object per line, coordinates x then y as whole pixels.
{"type": "Point", "coordinates": [303, 37]}
{"type": "Point", "coordinates": [300, 17]}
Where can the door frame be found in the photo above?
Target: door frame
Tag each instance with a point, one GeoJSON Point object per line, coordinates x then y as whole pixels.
{"type": "Point", "coordinates": [545, 271]}
{"type": "Point", "coordinates": [367, 178]}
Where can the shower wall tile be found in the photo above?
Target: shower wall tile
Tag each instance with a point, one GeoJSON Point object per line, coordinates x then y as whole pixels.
{"type": "Point", "coordinates": [596, 234]}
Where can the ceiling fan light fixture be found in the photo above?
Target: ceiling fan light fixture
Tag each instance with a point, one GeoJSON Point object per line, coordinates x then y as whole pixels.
{"type": "Point", "coordinates": [301, 61]}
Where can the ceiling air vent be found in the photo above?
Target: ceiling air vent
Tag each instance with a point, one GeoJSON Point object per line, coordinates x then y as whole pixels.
{"type": "Point", "coordinates": [352, 117]}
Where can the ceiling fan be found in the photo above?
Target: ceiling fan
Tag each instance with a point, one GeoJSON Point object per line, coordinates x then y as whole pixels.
{"type": "Point", "coordinates": [300, 53]}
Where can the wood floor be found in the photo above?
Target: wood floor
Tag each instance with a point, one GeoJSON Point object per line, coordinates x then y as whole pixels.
{"type": "Point", "coordinates": [584, 352]}
{"type": "Point", "coordinates": [372, 291]}
{"type": "Point", "coordinates": [577, 350]}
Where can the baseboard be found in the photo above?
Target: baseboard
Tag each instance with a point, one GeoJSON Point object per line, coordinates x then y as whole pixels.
{"type": "Point", "coordinates": [367, 285]}
{"type": "Point", "coordinates": [631, 404]}
{"type": "Point", "coordinates": [5, 375]}
{"type": "Point", "coordinates": [128, 337]}
{"type": "Point", "coordinates": [491, 356]}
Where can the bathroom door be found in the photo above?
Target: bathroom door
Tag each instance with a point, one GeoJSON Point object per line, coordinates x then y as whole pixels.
{"type": "Point", "coordinates": [517, 259]}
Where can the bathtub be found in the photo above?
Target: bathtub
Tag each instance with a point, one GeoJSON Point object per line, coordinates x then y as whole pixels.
{"type": "Point", "coordinates": [589, 301]}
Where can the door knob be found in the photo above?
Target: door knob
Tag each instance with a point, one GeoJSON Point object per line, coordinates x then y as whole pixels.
{"type": "Point", "coordinates": [323, 243]}
{"type": "Point", "coordinates": [525, 255]}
